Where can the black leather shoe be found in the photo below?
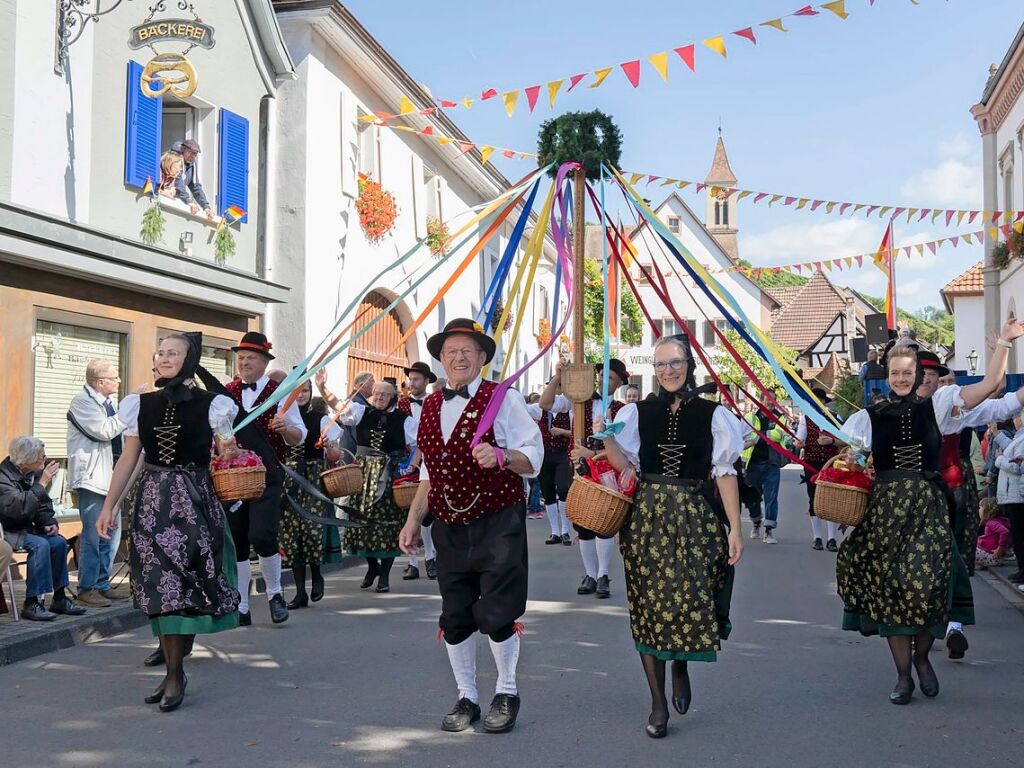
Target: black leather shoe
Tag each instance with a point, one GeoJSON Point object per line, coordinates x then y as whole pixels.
{"type": "Point", "coordinates": [566, 540]}
{"type": "Point", "coordinates": [587, 587]}
{"type": "Point", "coordinates": [431, 569]}
{"type": "Point", "coordinates": [316, 594]}
{"type": "Point", "coordinates": [929, 680]}
{"type": "Point", "coordinates": [66, 606]}
{"type": "Point", "coordinates": [554, 538]}
{"type": "Point", "coordinates": [155, 659]}
{"type": "Point", "coordinates": [155, 696]}
{"type": "Point", "coordinates": [681, 693]}
{"type": "Point", "coordinates": [503, 714]}
{"type": "Point", "coordinates": [956, 644]}
{"type": "Point", "coordinates": [244, 620]}
{"type": "Point", "coordinates": [817, 546]}
{"type": "Point", "coordinates": [411, 572]}
{"type": "Point", "coordinates": [35, 611]}
{"type": "Point", "coordinates": [383, 586]}
{"type": "Point", "coordinates": [171, 703]}
{"type": "Point", "coordinates": [368, 579]}
{"type": "Point", "coordinates": [832, 546]}
{"type": "Point", "coordinates": [463, 715]}
{"type": "Point", "coordinates": [278, 610]}
{"type": "Point", "coordinates": [301, 600]}
{"type": "Point", "coordinates": [902, 693]}
{"type": "Point", "coordinates": [656, 730]}
{"type": "Point", "coordinates": [603, 590]}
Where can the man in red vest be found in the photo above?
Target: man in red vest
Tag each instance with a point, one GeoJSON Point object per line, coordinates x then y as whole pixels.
{"type": "Point", "coordinates": [476, 496]}
{"type": "Point", "coordinates": [256, 523]}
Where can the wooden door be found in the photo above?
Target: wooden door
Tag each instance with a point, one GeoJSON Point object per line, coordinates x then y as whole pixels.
{"type": "Point", "coordinates": [374, 351]}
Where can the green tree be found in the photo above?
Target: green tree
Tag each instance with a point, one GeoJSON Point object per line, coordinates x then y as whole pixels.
{"type": "Point", "coordinates": [730, 372]}
{"type": "Point", "coordinates": [630, 328]}
{"type": "Point", "coordinates": [849, 396]}
{"type": "Point", "coordinates": [773, 279]}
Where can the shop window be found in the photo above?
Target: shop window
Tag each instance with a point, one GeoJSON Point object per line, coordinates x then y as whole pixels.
{"type": "Point", "coordinates": [61, 353]}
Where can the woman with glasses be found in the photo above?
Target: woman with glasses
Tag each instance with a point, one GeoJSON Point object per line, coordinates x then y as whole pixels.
{"type": "Point", "coordinates": [178, 545]}
{"type": "Point", "coordinates": [681, 542]}
{"type": "Point", "coordinates": [384, 438]}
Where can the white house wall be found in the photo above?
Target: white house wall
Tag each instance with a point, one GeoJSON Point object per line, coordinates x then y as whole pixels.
{"type": "Point", "coordinates": [968, 329]}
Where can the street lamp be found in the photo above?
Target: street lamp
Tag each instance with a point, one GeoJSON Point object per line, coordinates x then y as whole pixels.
{"type": "Point", "coordinates": [972, 361]}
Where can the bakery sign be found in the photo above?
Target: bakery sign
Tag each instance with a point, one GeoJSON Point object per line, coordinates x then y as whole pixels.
{"type": "Point", "coordinates": [170, 71]}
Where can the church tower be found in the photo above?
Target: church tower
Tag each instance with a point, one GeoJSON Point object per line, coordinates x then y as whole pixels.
{"type": "Point", "coordinates": [721, 218]}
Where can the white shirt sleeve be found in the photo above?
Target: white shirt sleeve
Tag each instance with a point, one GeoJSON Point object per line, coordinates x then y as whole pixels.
{"type": "Point", "coordinates": [628, 439]}
{"type": "Point", "coordinates": [562, 405]}
{"type": "Point", "coordinates": [858, 428]}
{"type": "Point", "coordinates": [223, 411]}
{"type": "Point", "coordinates": [128, 413]}
{"type": "Point", "coordinates": [948, 404]}
{"type": "Point", "coordinates": [333, 431]}
{"type": "Point", "coordinates": [515, 430]}
{"type": "Point", "coordinates": [353, 414]}
{"type": "Point", "coordinates": [801, 429]}
{"type": "Point", "coordinates": [726, 442]}
{"type": "Point", "coordinates": [293, 418]}
{"type": "Point", "coordinates": [535, 411]}
{"type": "Point", "coordinates": [1000, 409]}
{"type": "Point", "coordinates": [411, 427]}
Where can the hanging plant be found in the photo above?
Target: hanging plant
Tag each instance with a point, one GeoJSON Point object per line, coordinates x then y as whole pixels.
{"type": "Point", "coordinates": [1015, 244]}
{"type": "Point", "coordinates": [223, 245]}
{"type": "Point", "coordinates": [437, 236]}
{"type": "Point", "coordinates": [1001, 255]}
{"type": "Point", "coordinates": [153, 223]}
{"type": "Point", "coordinates": [543, 332]}
{"type": "Point", "coordinates": [499, 307]}
{"type": "Point", "coordinates": [377, 209]}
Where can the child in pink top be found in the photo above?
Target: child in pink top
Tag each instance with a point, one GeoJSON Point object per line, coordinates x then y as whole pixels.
{"type": "Point", "coordinates": [994, 542]}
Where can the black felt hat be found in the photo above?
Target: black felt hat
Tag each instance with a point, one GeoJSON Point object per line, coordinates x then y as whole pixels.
{"type": "Point", "coordinates": [465, 327]}
{"type": "Point", "coordinates": [421, 368]}
{"type": "Point", "coordinates": [617, 367]}
{"type": "Point", "coordinates": [254, 341]}
{"type": "Point", "coordinates": [931, 360]}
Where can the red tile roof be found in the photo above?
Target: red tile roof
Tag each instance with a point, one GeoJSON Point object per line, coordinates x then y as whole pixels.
{"type": "Point", "coordinates": [808, 313]}
{"type": "Point", "coordinates": [971, 282]}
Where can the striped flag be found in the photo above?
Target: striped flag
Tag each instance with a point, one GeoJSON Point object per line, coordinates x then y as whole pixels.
{"type": "Point", "coordinates": [147, 188]}
{"type": "Point", "coordinates": [885, 260]}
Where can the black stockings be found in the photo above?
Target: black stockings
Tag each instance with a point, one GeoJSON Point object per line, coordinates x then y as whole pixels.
{"type": "Point", "coordinates": [901, 647]}
{"type": "Point", "coordinates": [174, 654]}
{"type": "Point", "coordinates": [299, 574]}
{"type": "Point", "coordinates": [385, 571]}
{"type": "Point", "coordinates": [654, 669]}
{"type": "Point", "coordinates": [922, 645]}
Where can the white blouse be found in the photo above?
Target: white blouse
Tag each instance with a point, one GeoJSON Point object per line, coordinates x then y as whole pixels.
{"type": "Point", "coordinates": [333, 431]}
{"type": "Point", "coordinates": [726, 439]}
{"type": "Point", "coordinates": [221, 415]}
{"type": "Point", "coordinates": [356, 411]}
{"type": "Point", "coordinates": [947, 403]}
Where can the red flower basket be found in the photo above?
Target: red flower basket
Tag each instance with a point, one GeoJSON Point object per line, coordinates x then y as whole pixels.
{"type": "Point", "coordinates": [376, 208]}
{"type": "Point", "coordinates": [841, 495]}
{"type": "Point", "coordinates": [239, 478]}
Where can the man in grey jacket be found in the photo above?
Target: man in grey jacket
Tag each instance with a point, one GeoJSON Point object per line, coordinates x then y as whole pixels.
{"type": "Point", "coordinates": [94, 443]}
{"type": "Point", "coordinates": [187, 185]}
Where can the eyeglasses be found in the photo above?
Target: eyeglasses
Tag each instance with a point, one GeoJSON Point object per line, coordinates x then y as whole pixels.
{"type": "Point", "coordinates": [675, 364]}
{"type": "Point", "coordinates": [466, 352]}
{"type": "Point", "coordinates": [168, 353]}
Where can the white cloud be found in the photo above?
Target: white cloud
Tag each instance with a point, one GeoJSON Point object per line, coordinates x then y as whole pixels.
{"type": "Point", "coordinates": [958, 146]}
{"type": "Point", "coordinates": [955, 182]}
{"type": "Point", "coordinates": [812, 242]}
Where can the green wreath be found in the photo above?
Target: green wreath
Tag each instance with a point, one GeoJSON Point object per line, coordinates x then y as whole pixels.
{"type": "Point", "coordinates": [589, 138]}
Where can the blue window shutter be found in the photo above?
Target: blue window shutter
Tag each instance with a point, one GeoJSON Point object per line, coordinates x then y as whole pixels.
{"type": "Point", "coordinates": [233, 182]}
{"type": "Point", "coordinates": [142, 122]}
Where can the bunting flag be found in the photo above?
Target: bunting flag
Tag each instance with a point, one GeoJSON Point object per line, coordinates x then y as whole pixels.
{"type": "Point", "coordinates": [659, 60]}
{"type": "Point", "coordinates": [147, 188]}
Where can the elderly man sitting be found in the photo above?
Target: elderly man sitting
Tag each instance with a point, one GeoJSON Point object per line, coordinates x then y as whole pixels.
{"type": "Point", "coordinates": [26, 514]}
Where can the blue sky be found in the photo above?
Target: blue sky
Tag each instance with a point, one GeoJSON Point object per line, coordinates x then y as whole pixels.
{"type": "Point", "coordinates": [872, 109]}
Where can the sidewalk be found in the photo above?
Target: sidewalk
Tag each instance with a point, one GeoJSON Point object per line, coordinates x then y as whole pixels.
{"type": "Point", "coordinates": [20, 640]}
{"type": "Point", "coordinates": [1000, 580]}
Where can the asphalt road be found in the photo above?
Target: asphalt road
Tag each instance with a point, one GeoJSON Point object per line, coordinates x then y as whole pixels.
{"type": "Point", "coordinates": [360, 679]}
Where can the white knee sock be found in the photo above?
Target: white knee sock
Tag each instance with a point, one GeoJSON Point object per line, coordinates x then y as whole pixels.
{"type": "Point", "coordinates": [414, 561]}
{"type": "Point", "coordinates": [816, 528]}
{"type": "Point", "coordinates": [954, 625]}
{"type": "Point", "coordinates": [506, 657]}
{"type": "Point", "coordinates": [428, 542]}
{"type": "Point", "coordinates": [271, 567]}
{"type": "Point", "coordinates": [462, 657]}
{"type": "Point", "coordinates": [565, 520]}
{"type": "Point", "coordinates": [552, 510]}
{"type": "Point", "coordinates": [833, 531]}
{"type": "Point", "coordinates": [588, 551]}
{"type": "Point", "coordinates": [605, 552]}
{"type": "Point", "coordinates": [244, 576]}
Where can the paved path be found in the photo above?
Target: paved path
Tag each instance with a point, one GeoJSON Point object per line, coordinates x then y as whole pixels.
{"type": "Point", "coordinates": [360, 680]}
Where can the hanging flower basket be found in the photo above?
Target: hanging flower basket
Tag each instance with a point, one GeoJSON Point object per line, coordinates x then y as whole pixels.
{"type": "Point", "coordinates": [1015, 244]}
{"type": "Point", "coordinates": [437, 236]}
{"type": "Point", "coordinates": [543, 332]}
{"type": "Point", "coordinates": [376, 208]}
{"type": "Point", "coordinates": [499, 307]}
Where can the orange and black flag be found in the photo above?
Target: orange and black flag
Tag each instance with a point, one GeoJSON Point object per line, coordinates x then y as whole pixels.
{"type": "Point", "coordinates": [885, 260]}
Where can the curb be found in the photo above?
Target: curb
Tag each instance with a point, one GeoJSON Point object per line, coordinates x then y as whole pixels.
{"type": "Point", "coordinates": [1005, 587]}
{"type": "Point", "coordinates": [79, 630]}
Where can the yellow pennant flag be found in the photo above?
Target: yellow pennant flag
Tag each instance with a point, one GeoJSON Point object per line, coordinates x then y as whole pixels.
{"type": "Point", "coordinates": [985, 215]}
{"type": "Point", "coordinates": [742, 194]}
{"type": "Point", "coordinates": [600, 75]}
{"type": "Point", "coordinates": [467, 103]}
{"type": "Point", "coordinates": [993, 233]}
{"type": "Point", "coordinates": [802, 202]}
{"type": "Point", "coordinates": [405, 106]}
{"type": "Point", "coordinates": [967, 239]}
{"type": "Point", "coordinates": [445, 139]}
{"type": "Point", "coordinates": [1008, 216]}
{"type": "Point", "coordinates": [716, 44]}
{"type": "Point", "coordinates": [510, 98]}
{"type": "Point", "coordinates": [829, 206]}
{"type": "Point", "coordinates": [485, 153]}
{"type": "Point", "coordinates": [666, 182]}
{"type": "Point", "coordinates": [885, 210]}
{"type": "Point", "coordinates": [775, 199]}
{"type": "Point", "coordinates": [838, 7]}
{"type": "Point", "coordinates": [403, 128]}
{"type": "Point", "coordinates": [960, 217]}
{"type": "Point", "coordinates": [911, 212]}
{"type": "Point", "coordinates": [828, 265]}
{"type": "Point", "coordinates": [939, 242]}
{"type": "Point", "coordinates": [920, 249]}
{"type": "Point", "coordinates": [849, 261]}
{"type": "Point", "coordinates": [660, 62]}
{"type": "Point", "coordinates": [777, 23]}
{"type": "Point", "coordinates": [635, 178]}
{"type": "Point", "coordinates": [684, 184]}
{"type": "Point", "coordinates": [857, 207]}
{"type": "Point", "coordinates": [368, 118]}
{"type": "Point", "coordinates": [553, 87]}
{"type": "Point", "coordinates": [935, 215]}
{"type": "Point", "coordinates": [1018, 227]}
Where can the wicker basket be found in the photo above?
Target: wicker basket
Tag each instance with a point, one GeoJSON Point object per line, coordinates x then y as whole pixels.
{"type": "Point", "coordinates": [404, 494]}
{"type": "Point", "coordinates": [578, 382]}
{"type": "Point", "coordinates": [597, 508]}
{"type": "Point", "coordinates": [842, 504]}
{"type": "Point", "coordinates": [346, 480]}
{"type": "Point", "coordinates": [239, 483]}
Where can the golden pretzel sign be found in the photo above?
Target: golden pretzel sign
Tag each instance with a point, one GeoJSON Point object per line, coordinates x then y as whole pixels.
{"type": "Point", "coordinates": [157, 81]}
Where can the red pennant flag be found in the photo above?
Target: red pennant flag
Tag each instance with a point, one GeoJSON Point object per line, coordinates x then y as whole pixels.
{"type": "Point", "coordinates": [972, 217]}
{"type": "Point", "coordinates": [860, 260]}
{"type": "Point", "coordinates": [872, 209]}
{"type": "Point", "coordinates": [531, 96]}
{"type": "Point", "coordinates": [760, 196]}
{"type": "Point", "coordinates": [445, 104]}
{"type": "Point", "coordinates": [490, 93]}
{"type": "Point", "coordinates": [931, 247]}
{"type": "Point", "coordinates": [699, 187]}
{"type": "Point", "coordinates": [897, 212]}
{"type": "Point", "coordinates": [995, 216]}
{"type": "Point", "coordinates": [799, 267]}
{"type": "Point", "coordinates": [632, 70]}
{"type": "Point", "coordinates": [924, 212]}
{"type": "Point", "coordinates": [686, 54]}
{"type": "Point", "coordinates": [789, 201]}
{"type": "Point", "coordinates": [574, 81]}
{"type": "Point", "coordinates": [817, 265]}
{"type": "Point", "coordinates": [652, 178]}
{"type": "Point", "coordinates": [843, 207]}
{"type": "Point", "coordinates": [815, 204]}
{"type": "Point", "coordinates": [955, 240]}
{"type": "Point", "coordinates": [509, 153]}
{"type": "Point", "coordinates": [949, 216]}
{"type": "Point", "coordinates": [747, 33]}
{"type": "Point", "coordinates": [805, 11]}
{"type": "Point", "coordinates": [1019, 217]}
{"type": "Point", "coordinates": [427, 131]}
{"type": "Point", "coordinates": [1005, 230]}
{"type": "Point", "coordinates": [383, 115]}
{"type": "Point", "coordinates": [465, 146]}
{"type": "Point", "coordinates": [428, 111]}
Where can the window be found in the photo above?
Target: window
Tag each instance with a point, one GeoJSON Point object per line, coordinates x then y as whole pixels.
{"type": "Point", "coordinates": [691, 326]}
{"type": "Point", "coordinates": [62, 351]}
{"type": "Point", "coordinates": [233, 151]}
{"type": "Point", "coordinates": [367, 155]}
{"type": "Point", "coordinates": [142, 132]}
{"type": "Point", "coordinates": [668, 327]}
{"type": "Point", "coordinates": [432, 192]}
{"type": "Point", "coordinates": [178, 123]}
{"type": "Point", "coordinates": [710, 337]}
{"type": "Point", "coordinates": [718, 213]}
{"type": "Point", "coordinates": [673, 225]}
